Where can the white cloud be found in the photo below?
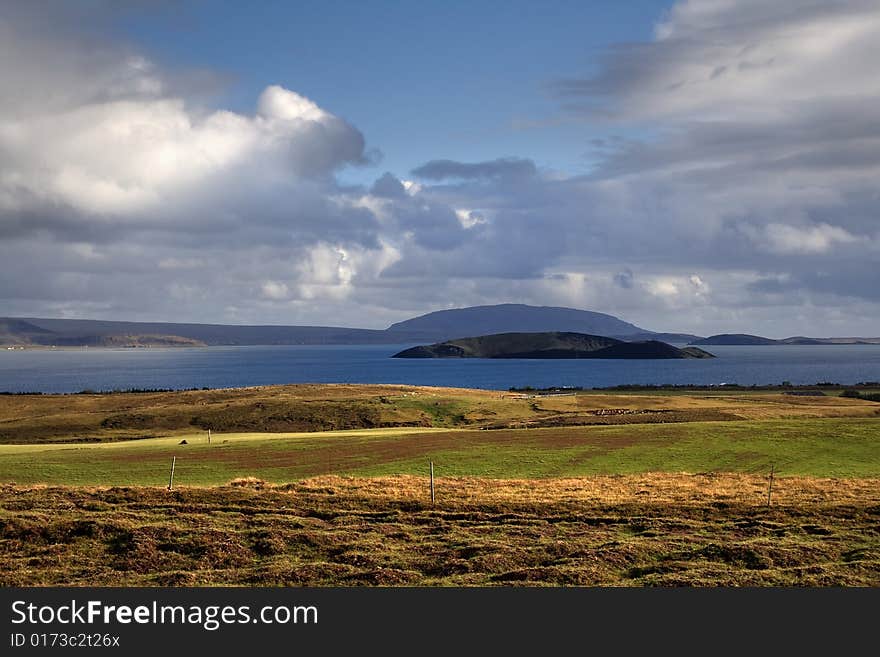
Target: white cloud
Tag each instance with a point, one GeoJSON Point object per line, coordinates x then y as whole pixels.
{"type": "Point", "coordinates": [412, 188]}
{"type": "Point", "coordinates": [281, 104]}
{"type": "Point", "coordinates": [470, 218]}
{"type": "Point", "coordinates": [732, 59]}
{"type": "Point", "coordinates": [784, 239]}
{"type": "Point", "coordinates": [664, 287]}
{"type": "Point", "coordinates": [327, 271]}
{"type": "Point", "coordinates": [698, 284]}
{"type": "Point", "coordinates": [131, 156]}
{"type": "Point", "coordinates": [274, 290]}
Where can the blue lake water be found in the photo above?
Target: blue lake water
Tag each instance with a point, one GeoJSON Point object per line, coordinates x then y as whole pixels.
{"type": "Point", "coordinates": [72, 370]}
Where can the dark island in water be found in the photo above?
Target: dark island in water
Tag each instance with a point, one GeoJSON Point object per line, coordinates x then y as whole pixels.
{"type": "Point", "coordinates": [550, 345]}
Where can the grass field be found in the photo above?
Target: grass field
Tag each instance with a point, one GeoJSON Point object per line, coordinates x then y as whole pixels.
{"type": "Point", "coordinates": [330, 488]}
{"type": "Point", "coordinates": [835, 447]}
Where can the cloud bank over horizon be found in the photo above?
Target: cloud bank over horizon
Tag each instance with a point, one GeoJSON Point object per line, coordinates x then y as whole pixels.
{"type": "Point", "coordinates": [736, 191]}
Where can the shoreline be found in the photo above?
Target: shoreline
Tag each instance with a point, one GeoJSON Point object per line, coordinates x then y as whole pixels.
{"type": "Point", "coordinates": [526, 390]}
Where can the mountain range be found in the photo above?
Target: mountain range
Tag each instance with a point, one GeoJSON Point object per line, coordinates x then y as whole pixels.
{"type": "Point", "coordinates": [434, 327]}
{"type": "Point", "coordinates": [757, 340]}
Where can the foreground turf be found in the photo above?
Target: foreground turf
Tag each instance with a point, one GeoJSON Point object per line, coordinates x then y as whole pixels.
{"type": "Point", "coordinates": [623, 530]}
{"type": "Point", "coordinates": [822, 447]}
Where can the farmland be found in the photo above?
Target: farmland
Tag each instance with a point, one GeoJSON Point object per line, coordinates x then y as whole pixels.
{"type": "Point", "coordinates": [833, 447]}
{"type": "Point", "coordinates": [327, 485]}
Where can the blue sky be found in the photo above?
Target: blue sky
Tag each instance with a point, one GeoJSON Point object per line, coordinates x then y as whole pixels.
{"type": "Point", "coordinates": [700, 166]}
{"type": "Point", "coordinates": [457, 80]}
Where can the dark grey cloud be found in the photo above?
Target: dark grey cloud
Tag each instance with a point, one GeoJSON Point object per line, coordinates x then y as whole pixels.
{"type": "Point", "coordinates": [841, 279]}
{"type": "Point", "coordinates": [388, 186]}
{"type": "Point", "coordinates": [624, 279]}
{"type": "Point", "coordinates": [509, 167]}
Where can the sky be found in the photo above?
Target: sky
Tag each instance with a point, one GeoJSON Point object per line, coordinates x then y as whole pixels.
{"type": "Point", "coordinates": [703, 166]}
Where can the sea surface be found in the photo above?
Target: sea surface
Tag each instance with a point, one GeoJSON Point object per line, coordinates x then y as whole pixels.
{"type": "Point", "coordinates": [75, 370]}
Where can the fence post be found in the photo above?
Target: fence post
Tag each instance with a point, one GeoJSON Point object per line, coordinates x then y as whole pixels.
{"type": "Point", "coordinates": [171, 478]}
{"type": "Point", "coordinates": [770, 487]}
{"type": "Point", "coordinates": [432, 482]}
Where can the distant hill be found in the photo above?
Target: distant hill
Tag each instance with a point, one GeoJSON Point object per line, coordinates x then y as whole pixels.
{"type": "Point", "coordinates": [20, 332]}
{"type": "Point", "coordinates": [549, 345]}
{"type": "Point", "coordinates": [81, 332]}
{"type": "Point", "coordinates": [744, 339]}
{"type": "Point", "coordinates": [132, 341]}
{"type": "Point", "coordinates": [681, 338]}
{"type": "Point", "coordinates": [511, 317]}
{"type": "Point", "coordinates": [735, 339]}
{"type": "Point", "coordinates": [803, 340]}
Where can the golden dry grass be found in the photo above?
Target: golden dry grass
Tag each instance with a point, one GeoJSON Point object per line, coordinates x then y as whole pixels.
{"type": "Point", "coordinates": [658, 530]}
{"type": "Point", "coordinates": [654, 488]}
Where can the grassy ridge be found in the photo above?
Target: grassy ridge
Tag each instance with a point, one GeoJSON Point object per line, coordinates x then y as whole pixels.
{"type": "Point", "coordinates": [826, 447]}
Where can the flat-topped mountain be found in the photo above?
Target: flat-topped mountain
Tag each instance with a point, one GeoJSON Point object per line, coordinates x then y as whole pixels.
{"type": "Point", "coordinates": [514, 317]}
{"type": "Point", "coordinates": [553, 344]}
{"type": "Point", "coordinates": [520, 318]}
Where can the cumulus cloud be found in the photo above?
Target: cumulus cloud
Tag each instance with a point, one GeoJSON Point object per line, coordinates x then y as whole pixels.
{"type": "Point", "coordinates": [121, 197]}
{"type": "Point", "coordinates": [123, 158]}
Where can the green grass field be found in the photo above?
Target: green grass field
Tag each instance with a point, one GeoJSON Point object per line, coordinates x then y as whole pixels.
{"type": "Point", "coordinates": [823, 447]}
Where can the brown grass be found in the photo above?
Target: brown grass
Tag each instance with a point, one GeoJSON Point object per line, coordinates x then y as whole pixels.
{"type": "Point", "coordinates": [656, 488]}
{"type": "Point", "coordinates": [658, 529]}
